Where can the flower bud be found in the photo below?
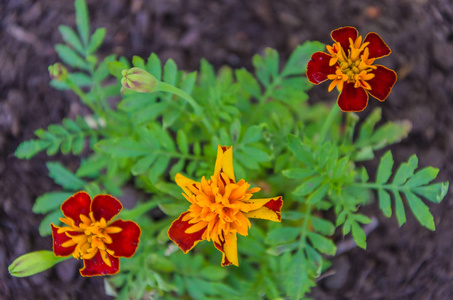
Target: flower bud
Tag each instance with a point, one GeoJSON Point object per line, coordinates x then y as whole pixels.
{"type": "Point", "coordinates": [33, 262]}
{"type": "Point", "coordinates": [139, 80]}
{"type": "Point", "coordinates": [58, 72]}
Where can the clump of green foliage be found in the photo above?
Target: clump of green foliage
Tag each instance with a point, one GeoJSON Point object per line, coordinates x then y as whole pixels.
{"type": "Point", "coordinates": [308, 153]}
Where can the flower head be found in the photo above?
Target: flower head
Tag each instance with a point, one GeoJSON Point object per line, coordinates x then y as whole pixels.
{"type": "Point", "coordinates": [220, 208]}
{"type": "Point", "coordinates": [91, 236]}
{"type": "Point", "coordinates": [349, 65]}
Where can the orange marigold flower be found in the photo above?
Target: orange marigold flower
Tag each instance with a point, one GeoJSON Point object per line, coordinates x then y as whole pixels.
{"type": "Point", "coordinates": [91, 236]}
{"type": "Point", "coordinates": [220, 208]}
{"type": "Point", "coordinates": [349, 65]}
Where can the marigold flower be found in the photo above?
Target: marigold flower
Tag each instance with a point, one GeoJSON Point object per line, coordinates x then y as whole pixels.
{"type": "Point", "coordinates": [349, 65]}
{"type": "Point", "coordinates": [92, 236]}
{"type": "Point", "coordinates": [220, 208]}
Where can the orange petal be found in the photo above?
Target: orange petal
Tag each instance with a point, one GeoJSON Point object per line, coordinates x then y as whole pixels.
{"type": "Point", "coordinates": [184, 183]}
{"type": "Point", "coordinates": [229, 251]}
{"type": "Point", "coordinates": [268, 208]}
{"type": "Point", "coordinates": [224, 162]}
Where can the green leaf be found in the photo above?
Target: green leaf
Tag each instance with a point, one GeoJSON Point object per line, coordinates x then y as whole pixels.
{"type": "Point", "coordinates": [54, 218]}
{"type": "Point", "coordinates": [298, 173]}
{"type": "Point", "coordinates": [367, 128]}
{"type": "Point", "coordinates": [122, 148]}
{"type": "Point", "coordinates": [314, 259]}
{"type": "Point", "coordinates": [96, 40]}
{"type": "Point", "coordinates": [181, 141]}
{"type": "Point", "coordinates": [64, 177]}
{"type": "Point", "coordinates": [82, 20]}
{"type": "Point", "coordinates": [308, 186]}
{"type": "Point", "coordinates": [292, 215]}
{"type": "Point", "coordinates": [158, 169]}
{"type": "Point", "coordinates": [271, 61]}
{"type": "Point", "coordinates": [318, 194]}
{"type": "Point", "coordinates": [115, 68]}
{"type": "Point", "coordinates": [420, 210]}
{"type": "Point", "coordinates": [422, 177]}
{"type": "Point", "coordinates": [172, 209]}
{"type": "Point", "coordinates": [170, 70]}
{"type": "Point", "coordinates": [149, 112]}
{"type": "Point", "coordinates": [50, 201]}
{"type": "Point", "coordinates": [358, 235]}
{"type": "Point", "coordinates": [143, 164]}
{"type": "Point", "coordinates": [399, 208]}
{"type": "Point", "coordinates": [257, 154]}
{"type": "Point", "coordinates": [385, 203]}
{"type": "Point", "coordinates": [248, 82]}
{"type": "Point", "coordinates": [321, 243]}
{"type": "Point", "coordinates": [389, 133]}
{"type": "Point", "coordinates": [189, 82]}
{"type": "Point", "coordinates": [71, 38]}
{"type": "Point", "coordinates": [252, 134]}
{"type": "Point", "coordinates": [385, 168]}
{"type": "Point", "coordinates": [282, 235]}
{"type": "Point", "coordinates": [30, 148]}
{"type": "Point", "coordinates": [154, 66]}
{"type": "Point", "coordinates": [138, 62]}
{"type": "Point", "coordinates": [71, 58]}
{"type": "Point", "coordinates": [297, 277]}
{"type": "Point", "coordinates": [300, 151]}
{"type": "Point", "coordinates": [434, 192]}
{"type": "Point", "coordinates": [405, 171]}
{"type": "Point", "coordinates": [297, 62]}
{"type": "Point", "coordinates": [213, 273]}
{"type": "Point", "coordinates": [322, 226]}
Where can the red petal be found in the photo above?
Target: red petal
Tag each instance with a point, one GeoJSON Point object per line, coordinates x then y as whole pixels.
{"type": "Point", "coordinates": [276, 206]}
{"type": "Point", "coordinates": [382, 83]}
{"type": "Point", "coordinates": [78, 204]}
{"type": "Point", "coordinates": [105, 206]}
{"type": "Point", "coordinates": [352, 99]}
{"type": "Point", "coordinates": [58, 239]}
{"type": "Point", "coordinates": [342, 36]}
{"type": "Point", "coordinates": [97, 267]}
{"type": "Point", "coordinates": [124, 243]}
{"type": "Point", "coordinates": [185, 241]}
{"type": "Point", "coordinates": [318, 67]}
{"type": "Point", "coordinates": [225, 261]}
{"type": "Point", "coordinates": [378, 48]}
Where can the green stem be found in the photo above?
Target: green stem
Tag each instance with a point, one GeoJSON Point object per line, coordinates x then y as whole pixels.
{"type": "Point", "coordinates": [81, 94]}
{"type": "Point", "coordinates": [303, 236]}
{"type": "Point", "coordinates": [328, 123]}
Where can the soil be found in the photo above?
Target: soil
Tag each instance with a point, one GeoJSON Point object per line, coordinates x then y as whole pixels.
{"type": "Point", "coordinates": [399, 263]}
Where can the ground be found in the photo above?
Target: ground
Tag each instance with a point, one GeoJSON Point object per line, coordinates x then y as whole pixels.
{"type": "Point", "coordinates": [399, 263]}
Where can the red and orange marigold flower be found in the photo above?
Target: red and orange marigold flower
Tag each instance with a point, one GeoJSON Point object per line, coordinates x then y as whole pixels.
{"type": "Point", "coordinates": [220, 208]}
{"type": "Point", "coordinates": [349, 65]}
{"type": "Point", "coordinates": [91, 236]}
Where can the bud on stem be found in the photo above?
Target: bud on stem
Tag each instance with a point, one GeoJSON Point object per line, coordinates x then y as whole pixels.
{"type": "Point", "coordinates": [139, 80]}
{"type": "Point", "coordinates": [58, 72]}
{"type": "Point", "coordinates": [34, 262]}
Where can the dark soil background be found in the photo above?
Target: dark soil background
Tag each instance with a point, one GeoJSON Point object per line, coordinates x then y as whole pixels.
{"type": "Point", "coordinates": [399, 263]}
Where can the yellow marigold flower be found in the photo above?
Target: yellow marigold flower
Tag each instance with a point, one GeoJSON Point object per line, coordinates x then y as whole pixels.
{"type": "Point", "coordinates": [220, 208]}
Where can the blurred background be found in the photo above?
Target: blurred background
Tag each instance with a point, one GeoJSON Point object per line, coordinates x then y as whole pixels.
{"type": "Point", "coordinates": [400, 263]}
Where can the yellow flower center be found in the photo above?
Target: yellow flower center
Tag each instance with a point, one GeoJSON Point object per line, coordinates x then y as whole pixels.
{"type": "Point", "coordinates": [219, 204]}
{"type": "Point", "coordinates": [355, 67]}
{"type": "Point", "coordinates": [89, 237]}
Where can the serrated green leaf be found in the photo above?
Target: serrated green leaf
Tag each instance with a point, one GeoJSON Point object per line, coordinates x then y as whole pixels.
{"type": "Point", "coordinates": [158, 169]}
{"type": "Point", "coordinates": [149, 112]}
{"type": "Point", "coordinates": [122, 148]}
{"type": "Point", "coordinates": [298, 173]}
{"type": "Point", "coordinates": [399, 208]}
{"type": "Point", "coordinates": [420, 211]}
{"type": "Point", "coordinates": [96, 40]}
{"type": "Point", "coordinates": [252, 134]}
{"type": "Point", "coordinates": [308, 186]}
{"type": "Point", "coordinates": [367, 128]}
{"type": "Point", "coordinates": [297, 62]}
{"type": "Point", "coordinates": [50, 201]}
{"type": "Point", "coordinates": [154, 66]}
{"type": "Point", "coordinates": [433, 192]}
{"type": "Point", "coordinates": [213, 273]}
{"type": "Point", "coordinates": [260, 70]}
{"type": "Point", "coordinates": [300, 151]}
{"type": "Point", "coordinates": [143, 164]}
{"type": "Point", "coordinates": [314, 260]}
{"type": "Point", "coordinates": [115, 68]}
{"type": "Point", "coordinates": [282, 235]}
{"type": "Point", "coordinates": [385, 168]}
{"type": "Point", "coordinates": [248, 161]}
{"type": "Point", "coordinates": [30, 148]}
{"type": "Point", "coordinates": [358, 235]}
{"type": "Point", "coordinates": [297, 277]}
{"type": "Point", "coordinates": [389, 133]}
{"type": "Point", "coordinates": [361, 218]}
{"type": "Point", "coordinates": [422, 177]}
{"type": "Point", "coordinates": [321, 243]}
{"type": "Point", "coordinates": [322, 226]}
{"type": "Point", "coordinates": [188, 83]}
{"type": "Point", "coordinates": [271, 61]}
{"type": "Point", "coordinates": [181, 141]}
{"type": "Point", "coordinates": [70, 57]}
{"type": "Point", "coordinates": [257, 154]}
{"type": "Point", "coordinates": [138, 62]}
{"type": "Point", "coordinates": [82, 20]}
{"type": "Point", "coordinates": [385, 203]}
{"type": "Point", "coordinates": [405, 171]}
{"type": "Point", "coordinates": [170, 72]}
{"type": "Point", "coordinates": [292, 215]}
{"type": "Point", "coordinates": [53, 217]}
{"type": "Point", "coordinates": [318, 194]}
{"type": "Point", "coordinates": [64, 177]}
{"type": "Point", "coordinates": [66, 145]}
{"type": "Point", "coordinates": [71, 38]}
{"type": "Point", "coordinates": [248, 82]}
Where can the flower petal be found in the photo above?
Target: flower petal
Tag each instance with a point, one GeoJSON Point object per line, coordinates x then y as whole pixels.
{"type": "Point", "coordinates": [342, 36]}
{"type": "Point", "coordinates": [125, 242]}
{"type": "Point", "coordinates": [58, 240]}
{"type": "Point", "coordinates": [78, 204]}
{"type": "Point", "coordinates": [105, 206]}
{"type": "Point", "coordinates": [97, 267]}
{"type": "Point", "coordinates": [268, 208]}
{"type": "Point", "coordinates": [224, 162]}
{"type": "Point", "coordinates": [229, 251]}
{"type": "Point", "coordinates": [184, 183]}
{"type": "Point", "coordinates": [352, 99]}
{"type": "Point", "coordinates": [382, 83]}
{"type": "Point", "coordinates": [377, 47]}
{"type": "Point", "coordinates": [185, 241]}
{"type": "Point", "coordinates": [318, 67]}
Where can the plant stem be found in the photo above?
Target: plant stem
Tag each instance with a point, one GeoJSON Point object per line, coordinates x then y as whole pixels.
{"type": "Point", "coordinates": [328, 123]}
{"type": "Point", "coordinates": [304, 226]}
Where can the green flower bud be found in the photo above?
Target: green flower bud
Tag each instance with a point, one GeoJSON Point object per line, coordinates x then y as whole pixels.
{"type": "Point", "coordinates": [139, 80]}
{"type": "Point", "coordinates": [58, 72]}
{"type": "Point", "coordinates": [33, 262]}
